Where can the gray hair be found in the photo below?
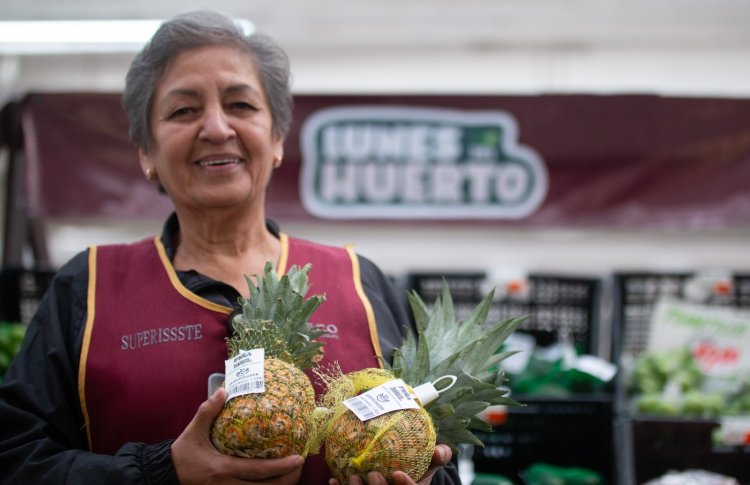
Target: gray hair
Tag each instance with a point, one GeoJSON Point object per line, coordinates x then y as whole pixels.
{"type": "Point", "coordinates": [197, 29]}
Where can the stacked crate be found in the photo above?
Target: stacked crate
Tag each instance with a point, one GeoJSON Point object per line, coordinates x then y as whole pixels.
{"type": "Point", "coordinates": [575, 431]}
{"type": "Point", "coordinates": [650, 447]}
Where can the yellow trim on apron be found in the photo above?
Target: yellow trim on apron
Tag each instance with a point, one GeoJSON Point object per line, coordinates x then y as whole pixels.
{"type": "Point", "coordinates": [284, 256]}
{"type": "Point", "coordinates": [180, 287]}
{"type": "Point", "coordinates": [86, 342]}
{"type": "Point", "coordinates": [371, 323]}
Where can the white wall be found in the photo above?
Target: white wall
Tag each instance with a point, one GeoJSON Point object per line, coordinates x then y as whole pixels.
{"type": "Point", "coordinates": [449, 247]}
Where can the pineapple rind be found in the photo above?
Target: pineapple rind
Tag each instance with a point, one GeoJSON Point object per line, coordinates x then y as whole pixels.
{"type": "Point", "coordinates": [272, 424]}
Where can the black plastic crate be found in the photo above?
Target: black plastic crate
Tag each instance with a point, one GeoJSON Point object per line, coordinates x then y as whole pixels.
{"type": "Point", "coordinates": [652, 446]}
{"type": "Point", "coordinates": [634, 299]}
{"type": "Point", "coordinates": [742, 290]}
{"type": "Point", "coordinates": [635, 295]}
{"type": "Point", "coordinates": [557, 306]}
{"type": "Point", "coordinates": [574, 432]}
{"type": "Point", "coordinates": [21, 289]}
{"type": "Point", "coordinates": [663, 445]}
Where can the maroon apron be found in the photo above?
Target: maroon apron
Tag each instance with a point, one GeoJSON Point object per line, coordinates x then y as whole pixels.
{"type": "Point", "coordinates": [150, 344]}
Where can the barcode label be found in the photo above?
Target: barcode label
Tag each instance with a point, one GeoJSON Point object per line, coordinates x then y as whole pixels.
{"type": "Point", "coordinates": [247, 387]}
{"type": "Point", "coordinates": [244, 373]}
{"type": "Point", "coordinates": [361, 409]}
{"type": "Point", "coordinates": [385, 398]}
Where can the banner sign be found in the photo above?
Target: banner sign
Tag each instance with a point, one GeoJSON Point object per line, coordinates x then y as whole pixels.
{"type": "Point", "coordinates": [395, 162]}
{"type": "Point", "coordinates": [719, 338]}
{"type": "Point", "coordinates": [627, 161]}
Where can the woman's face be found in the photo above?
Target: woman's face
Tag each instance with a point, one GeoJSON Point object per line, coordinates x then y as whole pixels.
{"type": "Point", "coordinates": [213, 143]}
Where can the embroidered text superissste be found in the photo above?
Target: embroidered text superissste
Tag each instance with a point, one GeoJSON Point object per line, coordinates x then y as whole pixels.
{"type": "Point", "coordinates": [162, 335]}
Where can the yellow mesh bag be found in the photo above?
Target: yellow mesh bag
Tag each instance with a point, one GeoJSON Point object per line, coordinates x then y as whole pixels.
{"type": "Point", "coordinates": [400, 440]}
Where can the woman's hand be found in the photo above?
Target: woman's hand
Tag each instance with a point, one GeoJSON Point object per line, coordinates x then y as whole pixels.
{"type": "Point", "coordinates": [440, 458]}
{"type": "Point", "coordinates": [197, 461]}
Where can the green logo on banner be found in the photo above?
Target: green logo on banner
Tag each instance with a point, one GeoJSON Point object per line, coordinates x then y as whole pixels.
{"type": "Point", "coordinates": [401, 162]}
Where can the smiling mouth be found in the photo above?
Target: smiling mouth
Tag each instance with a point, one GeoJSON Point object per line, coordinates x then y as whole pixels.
{"type": "Point", "coordinates": [212, 163]}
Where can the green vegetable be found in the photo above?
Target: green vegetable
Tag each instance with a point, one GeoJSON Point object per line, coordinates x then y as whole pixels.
{"type": "Point", "coordinates": [656, 404]}
{"type": "Point", "coordinates": [653, 370]}
{"type": "Point", "coordinates": [697, 404]}
{"type": "Point", "coordinates": [739, 404]}
{"type": "Point", "coordinates": [11, 336]}
{"type": "Point", "coordinates": [670, 383]}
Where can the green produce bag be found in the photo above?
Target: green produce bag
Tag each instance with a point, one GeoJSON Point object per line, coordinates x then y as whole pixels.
{"type": "Point", "coordinates": [560, 371]}
{"type": "Point", "coordinates": [490, 479]}
{"type": "Point", "coordinates": [541, 376]}
{"type": "Point", "coordinates": [546, 474]}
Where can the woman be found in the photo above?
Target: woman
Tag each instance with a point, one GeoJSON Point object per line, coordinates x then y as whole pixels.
{"type": "Point", "coordinates": [209, 110]}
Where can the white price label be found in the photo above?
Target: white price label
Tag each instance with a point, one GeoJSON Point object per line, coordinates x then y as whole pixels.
{"type": "Point", "coordinates": [244, 373]}
{"type": "Point", "coordinates": [385, 398]}
{"type": "Point", "coordinates": [719, 337]}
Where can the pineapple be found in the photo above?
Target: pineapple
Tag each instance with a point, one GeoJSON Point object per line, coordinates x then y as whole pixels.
{"type": "Point", "coordinates": [278, 422]}
{"type": "Point", "coordinates": [354, 446]}
{"type": "Point", "coordinates": [405, 440]}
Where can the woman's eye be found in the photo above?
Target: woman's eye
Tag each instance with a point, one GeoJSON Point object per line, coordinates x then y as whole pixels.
{"type": "Point", "coordinates": [182, 111]}
{"type": "Point", "coordinates": [242, 105]}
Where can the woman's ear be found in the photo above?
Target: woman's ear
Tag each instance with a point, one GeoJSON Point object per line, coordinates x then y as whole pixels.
{"type": "Point", "coordinates": [146, 166]}
{"type": "Point", "coordinates": [278, 153]}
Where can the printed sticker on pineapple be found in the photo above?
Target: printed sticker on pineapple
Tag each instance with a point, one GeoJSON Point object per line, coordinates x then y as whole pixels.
{"type": "Point", "coordinates": [244, 373]}
{"type": "Point", "coordinates": [385, 398]}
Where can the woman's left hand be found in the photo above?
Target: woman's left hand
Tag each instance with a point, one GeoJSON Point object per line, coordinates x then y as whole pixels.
{"type": "Point", "coordinates": [440, 458]}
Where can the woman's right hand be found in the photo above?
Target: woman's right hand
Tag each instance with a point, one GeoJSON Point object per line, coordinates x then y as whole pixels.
{"type": "Point", "coordinates": [197, 461]}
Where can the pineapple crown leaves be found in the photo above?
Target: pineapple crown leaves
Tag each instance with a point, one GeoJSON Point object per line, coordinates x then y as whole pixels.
{"type": "Point", "coordinates": [467, 350]}
{"type": "Point", "coordinates": [276, 317]}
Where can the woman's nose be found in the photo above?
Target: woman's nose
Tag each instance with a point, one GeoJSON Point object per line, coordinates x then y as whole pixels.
{"type": "Point", "coordinates": [216, 127]}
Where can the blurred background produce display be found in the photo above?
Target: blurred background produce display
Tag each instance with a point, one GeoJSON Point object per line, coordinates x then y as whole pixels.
{"type": "Point", "coordinates": [670, 383]}
{"type": "Point", "coordinates": [680, 342]}
{"type": "Point", "coordinates": [564, 431]}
